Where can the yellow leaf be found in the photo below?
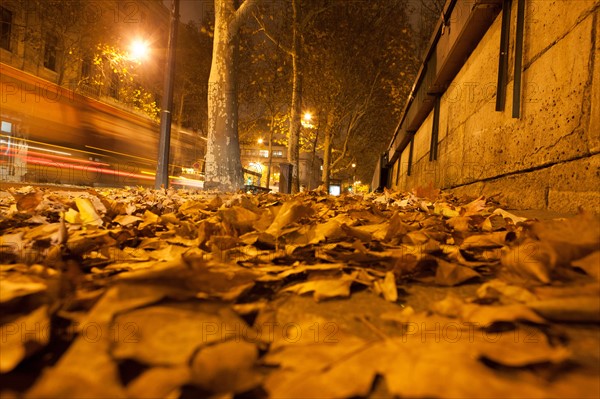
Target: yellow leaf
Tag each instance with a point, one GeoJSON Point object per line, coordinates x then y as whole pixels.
{"type": "Point", "coordinates": [87, 212]}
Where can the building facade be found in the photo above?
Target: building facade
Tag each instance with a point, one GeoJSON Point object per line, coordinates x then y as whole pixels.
{"type": "Point", "coordinates": [255, 158]}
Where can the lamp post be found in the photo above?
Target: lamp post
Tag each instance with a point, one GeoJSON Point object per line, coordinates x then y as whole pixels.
{"type": "Point", "coordinates": [162, 167]}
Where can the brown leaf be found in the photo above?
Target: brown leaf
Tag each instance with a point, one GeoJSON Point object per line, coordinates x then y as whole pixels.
{"type": "Point", "coordinates": [126, 220]}
{"type": "Point", "coordinates": [484, 315]}
{"type": "Point", "coordinates": [159, 382]}
{"type": "Point", "coordinates": [574, 309]}
{"type": "Point", "coordinates": [450, 274]}
{"type": "Point", "coordinates": [29, 202]}
{"type": "Point", "coordinates": [241, 219]}
{"type": "Point", "coordinates": [572, 238]}
{"type": "Point", "coordinates": [325, 288]}
{"type": "Point", "coordinates": [17, 286]}
{"type": "Point", "coordinates": [290, 212]}
{"type": "Point", "coordinates": [170, 334]}
{"type": "Point", "coordinates": [505, 293]}
{"type": "Point", "coordinates": [530, 262]}
{"type": "Point", "coordinates": [459, 223]}
{"type": "Point", "coordinates": [17, 344]}
{"type": "Point", "coordinates": [387, 287]}
{"type": "Point", "coordinates": [474, 207]}
{"type": "Point", "coordinates": [227, 367]}
{"type": "Point", "coordinates": [590, 264]}
{"type": "Point", "coordinates": [495, 239]}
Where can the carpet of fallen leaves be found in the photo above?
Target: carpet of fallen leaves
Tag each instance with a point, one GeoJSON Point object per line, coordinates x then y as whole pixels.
{"type": "Point", "coordinates": [164, 293]}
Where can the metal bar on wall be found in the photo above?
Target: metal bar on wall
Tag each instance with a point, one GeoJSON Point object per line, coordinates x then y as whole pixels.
{"type": "Point", "coordinates": [410, 154]}
{"type": "Point", "coordinates": [517, 88]}
{"type": "Point", "coordinates": [503, 58]}
{"type": "Point", "coordinates": [435, 129]}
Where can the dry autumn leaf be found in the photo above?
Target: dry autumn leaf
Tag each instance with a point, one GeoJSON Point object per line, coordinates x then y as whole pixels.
{"type": "Point", "coordinates": [16, 345]}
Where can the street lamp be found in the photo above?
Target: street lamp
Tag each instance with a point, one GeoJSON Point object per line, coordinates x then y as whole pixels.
{"type": "Point", "coordinates": [138, 50]}
{"type": "Point", "coordinates": [164, 144]}
{"type": "Point", "coordinates": [260, 141]}
{"type": "Point", "coordinates": [306, 120]}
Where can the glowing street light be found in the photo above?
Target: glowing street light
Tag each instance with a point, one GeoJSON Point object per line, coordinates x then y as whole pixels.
{"type": "Point", "coordinates": [306, 120]}
{"type": "Point", "coordinates": [139, 50]}
{"type": "Point", "coordinates": [260, 141]}
{"type": "Point", "coordinates": [354, 165]}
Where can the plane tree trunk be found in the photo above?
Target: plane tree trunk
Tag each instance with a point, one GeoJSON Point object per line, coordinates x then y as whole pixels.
{"type": "Point", "coordinates": [223, 169]}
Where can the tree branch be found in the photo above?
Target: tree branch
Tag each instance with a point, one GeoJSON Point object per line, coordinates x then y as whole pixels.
{"type": "Point", "coordinates": [269, 36]}
{"type": "Point", "coordinates": [241, 15]}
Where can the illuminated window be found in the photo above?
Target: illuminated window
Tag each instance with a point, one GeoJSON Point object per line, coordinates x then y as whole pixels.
{"type": "Point", "coordinates": [277, 153]}
{"type": "Point", "coordinates": [5, 28]}
{"type": "Point", "coordinates": [263, 153]}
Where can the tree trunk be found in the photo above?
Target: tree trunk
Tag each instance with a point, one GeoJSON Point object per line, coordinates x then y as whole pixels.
{"type": "Point", "coordinates": [312, 162]}
{"type": "Point", "coordinates": [327, 149]}
{"type": "Point", "coordinates": [296, 108]}
{"type": "Point", "coordinates": [270, 164]}
{"type": "Point", "coordinates": [223, 163]}
{"type": "Point", "coordinates": [177, 149]}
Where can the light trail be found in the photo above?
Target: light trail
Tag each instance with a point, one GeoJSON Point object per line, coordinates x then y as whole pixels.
{"type": "Point", "coordinates": [61, 165]}
{"type": "Point", "coordinates": [120, 153]}
{"type": "Point", "coordinates": [85, 161]}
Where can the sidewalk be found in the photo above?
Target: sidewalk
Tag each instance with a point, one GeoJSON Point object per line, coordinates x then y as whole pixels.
{"type": "Point", "coordinates": [143, 293]}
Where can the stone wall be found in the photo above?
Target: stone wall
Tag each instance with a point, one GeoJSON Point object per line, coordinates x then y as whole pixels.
{"type": "Point", "coordinates": [549, 158]}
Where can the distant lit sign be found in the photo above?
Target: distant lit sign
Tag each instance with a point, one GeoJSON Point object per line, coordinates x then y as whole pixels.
{"type": "Point", "coordinates": [335, 189]}
{"type": "Point", "coordinates": [6, 127]}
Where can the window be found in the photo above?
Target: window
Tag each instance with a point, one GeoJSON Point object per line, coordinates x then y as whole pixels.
{"type": "Point", "coordinates": [6, 26]}
{"type": "Point", "coordinates": [86, 68]}
{"type": "Point", "coordinates": [263, 153]}
{"type": "Point", "coordinates": [6, 127]}
{"type": "Point", "coordinates": [50, 52]}
{"type": "Point", "coordinates": [278, 153]}
{"type": "Point", "coordinates": [113, 88]}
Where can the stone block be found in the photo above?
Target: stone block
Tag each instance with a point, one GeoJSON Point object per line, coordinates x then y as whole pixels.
{"type": "Point", "coordinates": [548, 21]}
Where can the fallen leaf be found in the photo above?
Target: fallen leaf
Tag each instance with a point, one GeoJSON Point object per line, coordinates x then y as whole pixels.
{"type": "Point", "coordinates": [505, 293]}
{"type": "Point", "coordinates": [168, 335]}
{"type": "Point", "coordinates": [485, 315]}
{"type": "Point", "coordinates": [325, 288]}
{"type": "Point", "coordinates": [574, 309]}
{"type": "Point", "coordinates": [507, 215]}
{"type": "Point", "coordinates": [22, 337]}
{"type": "Point", "coordinates": [495, 239]}
{"type": "Point", "coordinates": [126, 220]}
{"type": "Point", "coordinates": [228, 367]}
{"type": "Point", "coordinates": [387, 287]}
{"type": "Point", "coordinates": [87, 212]}
{"type": "Point", "coordinates": [29, 202]}
{"type": "Point", "coordinates": [159, 382]}
{"type": "Point", "coordinates": [450, 274]}
{"type": "Point", "coordinates": [290, 212]}
{"type": "Point", "coordinates": [529, 262]}
{"type": "Point", "coordinates": [12, 287]}
{"type": "Point", "coordinates": [572, 238]}
{"type": "Point", "coordinates": [590, 264]}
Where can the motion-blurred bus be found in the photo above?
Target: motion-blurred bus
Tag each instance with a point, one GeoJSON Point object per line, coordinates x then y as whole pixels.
{"type": "Point", "coordinates": [50, 134]}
